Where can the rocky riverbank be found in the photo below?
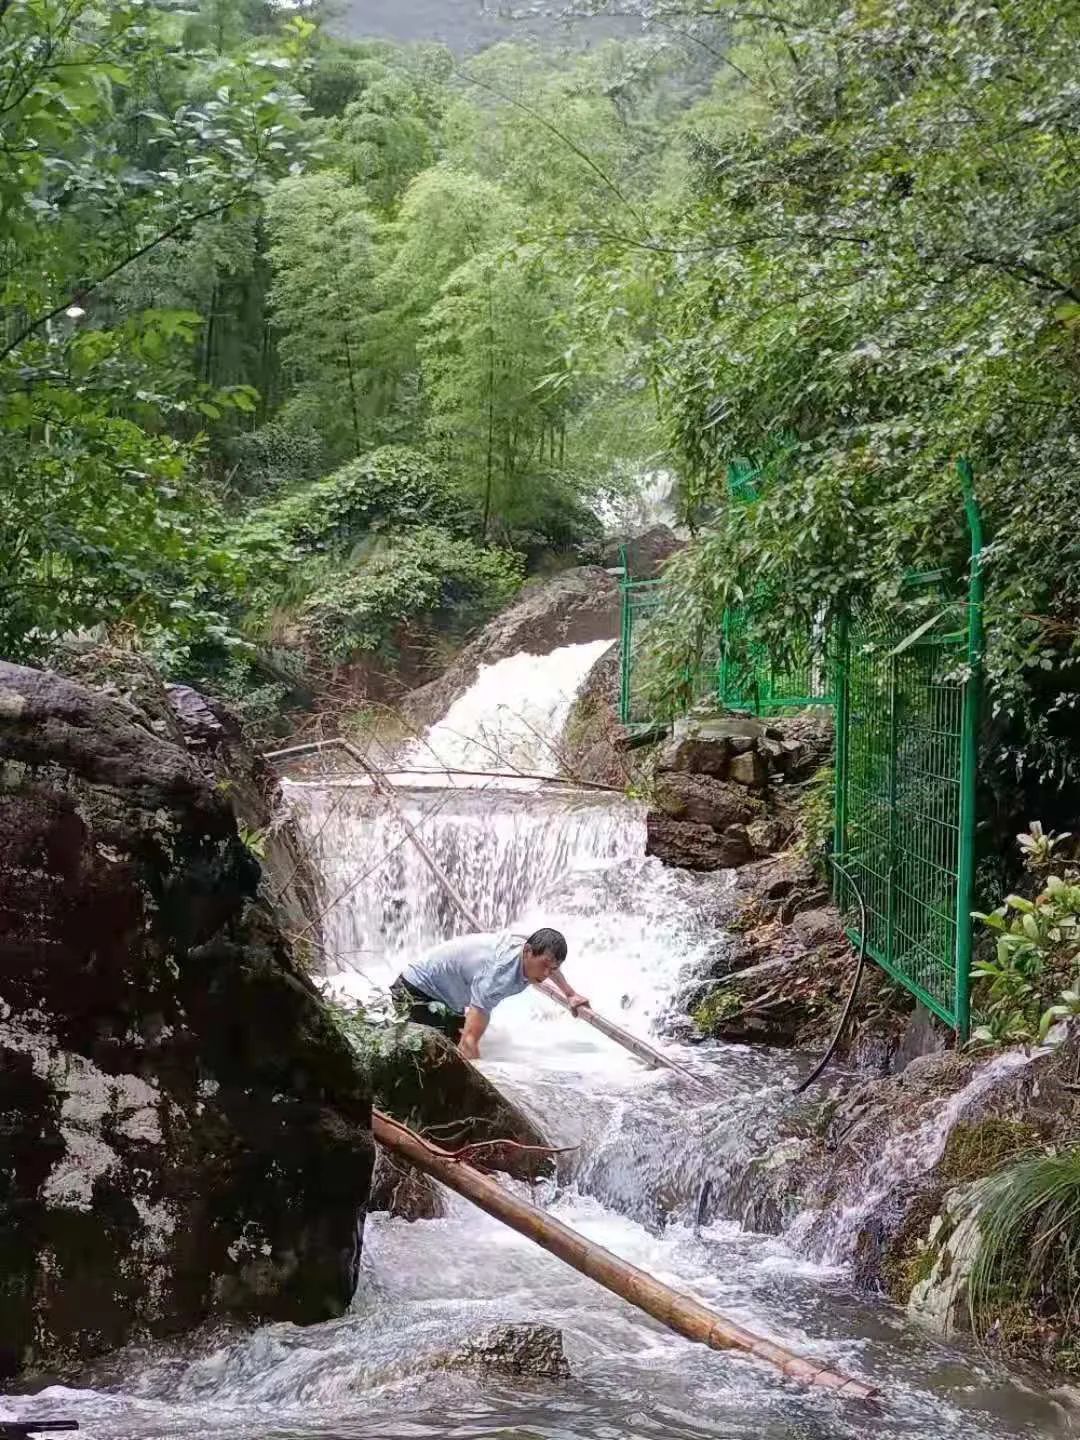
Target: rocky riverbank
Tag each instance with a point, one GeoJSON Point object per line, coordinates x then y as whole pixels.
{"type": "Point", "coordinates": [186, 1123]}
{"type": "Point", "coordinates": [883, 1163]}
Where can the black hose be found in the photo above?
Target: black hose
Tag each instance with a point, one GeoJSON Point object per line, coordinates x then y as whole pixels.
{"type": "Point", "coordinates": [819, 1068]}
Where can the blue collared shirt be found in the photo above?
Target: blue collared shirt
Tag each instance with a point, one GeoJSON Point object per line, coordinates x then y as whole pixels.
{"type": "Point", "coordinates": [476, 970]}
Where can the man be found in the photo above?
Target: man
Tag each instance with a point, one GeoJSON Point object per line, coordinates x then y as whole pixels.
{"type": "Point", "coordinates": [455, 986]}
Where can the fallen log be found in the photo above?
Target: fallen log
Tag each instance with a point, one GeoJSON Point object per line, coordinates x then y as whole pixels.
{"type": "Point", "coordinates": [685, 1316]}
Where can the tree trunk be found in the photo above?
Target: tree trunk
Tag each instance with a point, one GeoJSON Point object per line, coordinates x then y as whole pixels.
{"type": "Point", "coordinates": [352, 396]}
{"type": "Point", "coordinates": [679, 1312]}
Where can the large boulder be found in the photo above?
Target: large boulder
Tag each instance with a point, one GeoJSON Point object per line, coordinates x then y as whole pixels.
{"type": "Point", "coordinates": [518, 1350]}
{"type": "Point", "coordinates": [421, 1079]}
{"type": "Point", "coordinates": [186, 1134]}
{"type": "Point", "coordinates": [592, 743]}
{"type": "Point", "coordinates": [645, 554]}
{"type": "Point", "coordinates": [691, 845]}
{"type": "Point", "coordinates": [215, 740]}
{"type": "Point", "coordinates": [573, 607]}
{"type": "Point", "coordinates": [706, 801]}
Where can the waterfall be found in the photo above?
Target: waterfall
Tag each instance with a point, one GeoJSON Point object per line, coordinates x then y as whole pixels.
{"type": "Point", "coordinates": [510, 720]}
{"type": "Point", "coordinates": [525, 856]}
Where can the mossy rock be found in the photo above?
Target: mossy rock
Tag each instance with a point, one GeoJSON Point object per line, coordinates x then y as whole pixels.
{"type": "Point", "coordinates": [186, 1132]}
{"type": "Point", "coordinates": [421, 1079]}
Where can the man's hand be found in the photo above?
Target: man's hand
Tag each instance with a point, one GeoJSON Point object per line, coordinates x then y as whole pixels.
{"type": "Point", "coordinates": [476, 1022]}
{"type": "Point", "coordinates": [576, 1002]}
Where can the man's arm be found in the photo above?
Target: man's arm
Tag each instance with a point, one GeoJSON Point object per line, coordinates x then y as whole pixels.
{"type": "Point", "coordinates": [476, 1022]}
{"type": "Point", "coordinates": [576, 1000]}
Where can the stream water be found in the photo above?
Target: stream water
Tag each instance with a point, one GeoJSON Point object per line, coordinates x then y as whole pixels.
{"type": "Point", "coordinates": [524, 855]}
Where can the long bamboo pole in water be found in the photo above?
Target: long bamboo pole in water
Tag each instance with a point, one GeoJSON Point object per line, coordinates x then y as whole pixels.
{"type": "Point", "coordinates": [680, 1313]}
{"type": "Point", "coordinates": [655, 1059]}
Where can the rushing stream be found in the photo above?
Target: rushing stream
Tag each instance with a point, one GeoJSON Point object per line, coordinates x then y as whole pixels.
{"type": "Point", "coordinates": [523, 855]}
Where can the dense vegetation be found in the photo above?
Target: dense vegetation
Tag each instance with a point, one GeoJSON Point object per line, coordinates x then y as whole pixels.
{"type": "Point", "coordinates": [251, 270]}
{"type": "Point", "coordinates": [873, 272]}
{"type": "Point", "coordinates": [293, 369]}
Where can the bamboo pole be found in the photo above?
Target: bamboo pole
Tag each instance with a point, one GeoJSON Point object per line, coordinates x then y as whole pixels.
{"type": "Point", "coordinates": [680, 1313]}
{"type": "Point", "coordinates": [655, 1059]}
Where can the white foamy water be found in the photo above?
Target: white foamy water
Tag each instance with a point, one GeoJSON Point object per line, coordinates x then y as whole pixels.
{"type": "Point", "coordinates": [576, 862]}
{"type": "Point", "coordinates": [510, 720]}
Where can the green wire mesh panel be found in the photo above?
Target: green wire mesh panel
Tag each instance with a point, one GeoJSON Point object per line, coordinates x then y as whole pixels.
{"type": "Point", "coordinates": [901, 777]}
{"type": "Point", "coordinates": [770, 679]}
{"type": "Point", "coordinates": [640, 601]}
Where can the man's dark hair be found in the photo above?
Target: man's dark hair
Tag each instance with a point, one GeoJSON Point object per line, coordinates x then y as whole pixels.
{"type": "Point", "coordinates": [548, 942]}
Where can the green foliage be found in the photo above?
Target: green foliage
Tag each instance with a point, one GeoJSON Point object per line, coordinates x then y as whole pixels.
{"type": "Point", "coordinates": [881, 262]}
{"type": "Point", "coordinates": [273, 458]}
{"type": "Point", "coordinates": [1037, 954]}
{"type": "Point", "coordinates": [423, 575]}
{"type": "Point", "coordinates": [489, 343]}
{"type": "Point", "coordinates": [102, 524]}
{"type": "Point", "coordinates": [103, 517]}
{"type": "Point", "coordinates": [1028, 1219]}
{"type": "Point", "coordinates": [817, 817]}
{"type": "Point", "coordinates": [391, 488]}
{"type": "Point", "coordinates": [323, 255]}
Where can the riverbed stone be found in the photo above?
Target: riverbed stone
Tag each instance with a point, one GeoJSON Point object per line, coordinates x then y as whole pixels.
{"type": "Point", "coordinates": [817, 927]}
{"type": "Point", "coordinates": [705, 800]}
{"type": "Point", "coordinates": [422, 1080]}
{"type": "Point", "coordinates": [530, 1349]}
{"type": "Point", "coordinates": [186, 1133]}
{"type": "Point", "coordinates": [694, 846]}
{"type": "Point", "coordinates": [750, 769]}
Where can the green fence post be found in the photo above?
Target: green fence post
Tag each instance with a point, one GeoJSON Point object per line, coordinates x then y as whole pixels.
{"type": "Point", "coordinates": [840, 779]}
{"type": "Point", "coordinates": [625, 637]}
{"type": "Point", "coordinates": [969, 755]}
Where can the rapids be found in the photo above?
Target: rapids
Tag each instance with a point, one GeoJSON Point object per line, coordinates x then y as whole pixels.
{"type": "Point", "coordinates": [524, 857]}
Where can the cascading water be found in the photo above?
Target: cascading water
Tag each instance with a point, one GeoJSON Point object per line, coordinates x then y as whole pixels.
{"type": "Point", "coordinates": [645, 1145]}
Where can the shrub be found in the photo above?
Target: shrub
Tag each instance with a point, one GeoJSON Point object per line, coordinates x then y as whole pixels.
{"type": "Point", "coordinates": [391, 488]}
{"type": "Point", "coordinates": [1037, 955]}
{"type": "Point", "coordinates": [426, 574]}
{"type": "Point", "coordinates": [1028, 1234]}
{"type": "Point", "coordinates": [273, 457]}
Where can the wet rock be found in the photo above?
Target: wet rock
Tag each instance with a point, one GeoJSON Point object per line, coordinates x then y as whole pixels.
{"type": "Point", "coordinates": [214, 739]}
{"type": "Point", "coordinates": [705, 745]}
{"type": "Point", "coordinates": [529, 1349]}
{"type": "Point", "coordinates": [401, 1190]}
{"type": "Point", "coordinates": [760, 1005]}
{"type": "Point", "coordinates": [571, 608]}
{"type": "Point", "coordinates": [421, 1079]}
{"type": "Point", "coordinates": [646, 554]}
{"type": "Point", "coordinates": [693, 846]}
{"type": "Point", "coordinates": [816, 927]}
{"type": "Point", "coordinates": [705, 800]}
{"type": "Point", "coordinates": [186, 1134]}
{"type": "Point", "coordinates": [593, 744]}
{"type": "Point", "coordinates": [943, 1266]}
{"type": "Point", "coordinates": [750, 769]}
{"type": "Point", "coordinates": [767, 835]}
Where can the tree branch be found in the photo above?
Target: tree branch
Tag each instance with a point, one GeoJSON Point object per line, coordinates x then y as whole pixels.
{"type": "Point", "coordinates": [173, 231]}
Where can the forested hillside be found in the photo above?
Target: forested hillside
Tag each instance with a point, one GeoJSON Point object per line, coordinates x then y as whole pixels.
{"type": "Point", "coordinates": [295, 371]}
{"type": "Point", "coordinates": [314, 347]}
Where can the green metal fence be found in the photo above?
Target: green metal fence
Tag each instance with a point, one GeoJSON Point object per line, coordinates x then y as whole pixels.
{"type": "Point", "coordinates": [772, 678]}
{"type": "Point", "coordinates": [907, 692]}
{"type": "Point", "coordinates": [640, 601]}
{"type": "Point", "coordinates": [737, 669]}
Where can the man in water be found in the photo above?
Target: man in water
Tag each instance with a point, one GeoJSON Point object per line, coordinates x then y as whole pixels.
{"type": "Point", "coordinates": [455, 986]}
